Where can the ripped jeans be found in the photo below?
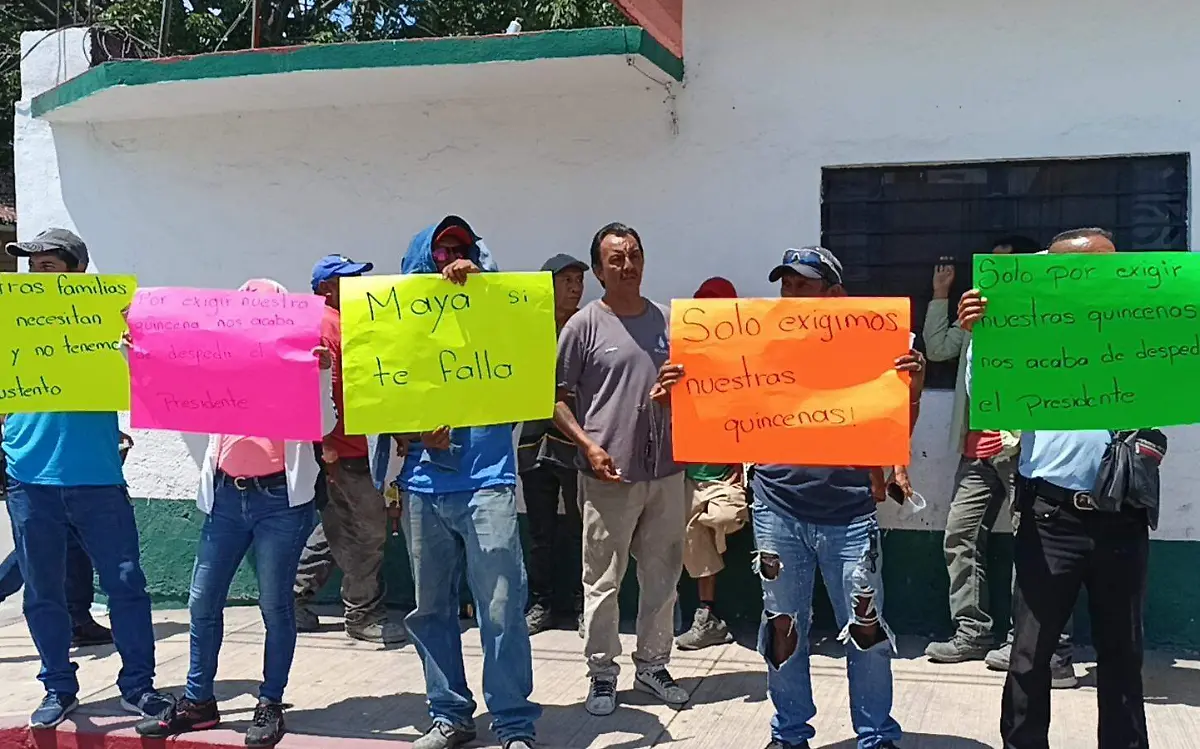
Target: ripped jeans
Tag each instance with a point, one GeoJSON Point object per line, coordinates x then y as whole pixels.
{"type": "Point", "coordinates": [850, 558]}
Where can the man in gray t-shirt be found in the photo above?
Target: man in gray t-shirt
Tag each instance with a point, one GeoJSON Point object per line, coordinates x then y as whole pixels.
{"type": "Point", "coordinates": [611, 363]}
{"type": "Point", "coordinates": [612, 355]}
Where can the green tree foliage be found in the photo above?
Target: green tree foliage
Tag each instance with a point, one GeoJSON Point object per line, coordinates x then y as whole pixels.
{"type": "Point", "coordinates": [199, 26]}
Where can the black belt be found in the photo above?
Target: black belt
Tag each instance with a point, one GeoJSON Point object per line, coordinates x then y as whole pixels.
{"type": "Point", "coordinates": [260, 483]}
{"type": "Point", "coordinates": [1057, 495]}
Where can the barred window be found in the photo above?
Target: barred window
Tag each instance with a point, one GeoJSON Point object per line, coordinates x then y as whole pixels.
{"type": "Point", "coordinates": [890, 224]}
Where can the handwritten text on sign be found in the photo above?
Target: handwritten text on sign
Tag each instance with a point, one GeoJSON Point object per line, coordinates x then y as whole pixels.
{"type": "Point", "coordinates": [796, 381]}
{"type": "Point", "coordinates": [419, 352]}
{"type": "Point", "coordinates": [1087, 341]}
{"type": "Point", "coordinates": [60, 342]}
{"type": "Point", "coordinates": [226, 362]}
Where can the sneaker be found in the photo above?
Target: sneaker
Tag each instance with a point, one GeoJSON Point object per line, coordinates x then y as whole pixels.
{"type": "Point", "coordinates": [442, 735]}
{"type": "Point", "coordinates": [518, 744]}
{"type": "Point", "coordinates": [184, 716]}
{"type": "Point", "coordinates": [997, 660]}
{"type": "Point", "coordinates": [659, 683]}
{"type": "Point", "coordinates": [306, 620]}
{"type": "Point", "coordinates": [53, 710]}
{"type": "Point", "coordinates": [267, 728]}
{"type": "Point", "coordinates": [380, 633]}
{"type": "Point", "coordinates": [1062, 674]}
{"type": "Point", "coordinates": [777, 744]}
{"type": "Point", "coordinates": [602, 696]}
{"type": "Point", "coordinates": [957, 650]}
{"type": "Point", "coordinates": [90, 633]}
{"type": "Point", "coordinates": [707, 630]}
{"type": "Point", "coordinates": [538, 619]}
{"type": "Point", "coordinates": [152, 705]}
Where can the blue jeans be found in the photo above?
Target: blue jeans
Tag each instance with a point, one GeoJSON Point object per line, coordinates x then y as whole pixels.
{"type": "Point", "coordinates": [257, 517]}
{"type": "Point", "coordinates": [102, 516]}
{"type": "Point", "coordinates": [478, 529]}
{"type": "Point", "coordinates": [850, 558]}
{"type": "Point", "coordinates": [80, 593]}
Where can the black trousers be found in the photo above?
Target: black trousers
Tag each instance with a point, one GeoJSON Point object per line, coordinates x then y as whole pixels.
{"type": "Point", "coordinates": [555, 541]}
{"type": "Point", "coordinates": [1058, 550]}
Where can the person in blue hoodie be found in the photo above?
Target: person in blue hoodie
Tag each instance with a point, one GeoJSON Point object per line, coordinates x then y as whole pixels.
{"type": "Point", "coordinates": [459, 490]}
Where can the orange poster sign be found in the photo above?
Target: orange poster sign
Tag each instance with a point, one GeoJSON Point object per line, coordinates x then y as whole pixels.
{"type": "Point", "coordinates": [793, 381]}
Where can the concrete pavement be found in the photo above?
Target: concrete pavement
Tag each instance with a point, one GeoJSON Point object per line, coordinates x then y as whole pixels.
{"type": "Point", "coordinates": [350, 695]}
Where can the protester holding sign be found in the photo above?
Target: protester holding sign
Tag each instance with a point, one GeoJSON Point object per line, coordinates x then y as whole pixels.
{"type": "Point", "coordinates": [983, 481]}
{"type": "Point", "coordinates": [85, 630]}
{"type": "Point", "coordinates": [808, 519]}
{"type": "Point", "coordinates": [64, 472]}
{"type": "Point", "coordinates": [717, 497]}
{"type": "Point", "coordinates": [460, 508]}
{"type": "Point", "coordinates": [632, 494]}
{"type": "Point", "coordinates": [1064, 542]}
{"type": "Point", "coordinates": [546, 463]}
{"type": "Point", "coordinates": [255, 492]}
{"type": "Point", "coordinates": [352, 531]}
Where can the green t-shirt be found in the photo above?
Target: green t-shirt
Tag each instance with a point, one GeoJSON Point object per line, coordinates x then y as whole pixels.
{"type": "Point", "coordinates": [704, 472]}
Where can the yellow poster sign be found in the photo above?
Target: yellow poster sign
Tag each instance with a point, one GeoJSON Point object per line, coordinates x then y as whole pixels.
{"type": "Point", "coordinates": [60, 336]}
{"type": "Point", "coordinates": [419, 352]}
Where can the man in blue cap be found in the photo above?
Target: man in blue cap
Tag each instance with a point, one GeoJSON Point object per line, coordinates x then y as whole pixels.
{"type": "Point", "coordinates": [353, 527]}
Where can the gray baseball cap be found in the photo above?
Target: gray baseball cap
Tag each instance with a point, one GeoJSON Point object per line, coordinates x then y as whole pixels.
{"type": "Point", "coordinates": [561, 262]}
{"type": "Point", "coordinates": [810, 262]}
{"type": "Point", "coordinates": [51, 240]}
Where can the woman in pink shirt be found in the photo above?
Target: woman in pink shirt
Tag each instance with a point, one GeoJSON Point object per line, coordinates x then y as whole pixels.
{"type": "Point", "coordinates": [256, 493]}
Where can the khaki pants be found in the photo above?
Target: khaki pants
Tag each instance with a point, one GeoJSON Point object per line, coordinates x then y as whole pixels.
{"type": "Point", "coordinates": [718, 509]}
{"type": "Point", "coordinates": [645, 519]}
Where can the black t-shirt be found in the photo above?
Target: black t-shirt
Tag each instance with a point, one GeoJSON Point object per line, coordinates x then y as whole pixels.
{"type": "Point", "coordinates": [823, 496]}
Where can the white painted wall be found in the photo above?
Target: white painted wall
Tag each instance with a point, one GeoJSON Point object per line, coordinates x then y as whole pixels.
{"type": "Point", "coordinates": [775, 91]}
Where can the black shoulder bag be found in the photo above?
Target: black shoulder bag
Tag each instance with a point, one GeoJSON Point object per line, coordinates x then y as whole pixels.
{"type": "Point", "coordinates": [1129, 472]}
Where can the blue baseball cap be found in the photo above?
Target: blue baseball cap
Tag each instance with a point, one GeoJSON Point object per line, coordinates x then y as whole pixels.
{"type": "Point", "coordinates": [337, 266]}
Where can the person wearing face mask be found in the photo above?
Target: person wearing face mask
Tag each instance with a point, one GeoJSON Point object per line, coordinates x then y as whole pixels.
{"type": "Point", "coordinates": [255, 493]}
{"type": "Point", "coordinates": [459, 494]}
{"type": "Point", "coordinates": [546, 463]}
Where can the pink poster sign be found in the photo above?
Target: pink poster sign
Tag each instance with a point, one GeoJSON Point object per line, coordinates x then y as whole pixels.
{"type": "Point", "coordinates": [226, 362]}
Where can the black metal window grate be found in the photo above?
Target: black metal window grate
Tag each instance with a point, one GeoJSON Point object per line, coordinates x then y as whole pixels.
{"type": "Point", "coordinates": [890, 224]}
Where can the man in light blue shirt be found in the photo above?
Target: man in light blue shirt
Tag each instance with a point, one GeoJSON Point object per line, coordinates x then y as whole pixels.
{"type": "Point", "coordinates": [1067, 459]}
{"type": "Point", "coordinates": [63, 473]}
{"type": "Point", "coordinates": [1062, 544]}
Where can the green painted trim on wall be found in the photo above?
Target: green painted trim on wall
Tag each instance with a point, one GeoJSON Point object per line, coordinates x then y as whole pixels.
{"type": "Point", "coordinates": [463, 50]}
{"type": "Point", "coordinates": [915, 580]}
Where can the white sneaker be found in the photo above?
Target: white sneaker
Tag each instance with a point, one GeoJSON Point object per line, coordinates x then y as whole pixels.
{"type": "Point", "coordinates": [602, 697]}
{"type": "Point", "coordinates": [659, 683]}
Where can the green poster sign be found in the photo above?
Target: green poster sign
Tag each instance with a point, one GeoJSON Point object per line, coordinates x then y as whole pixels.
{"type": "Point", "coordinates": [1087, 341]}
